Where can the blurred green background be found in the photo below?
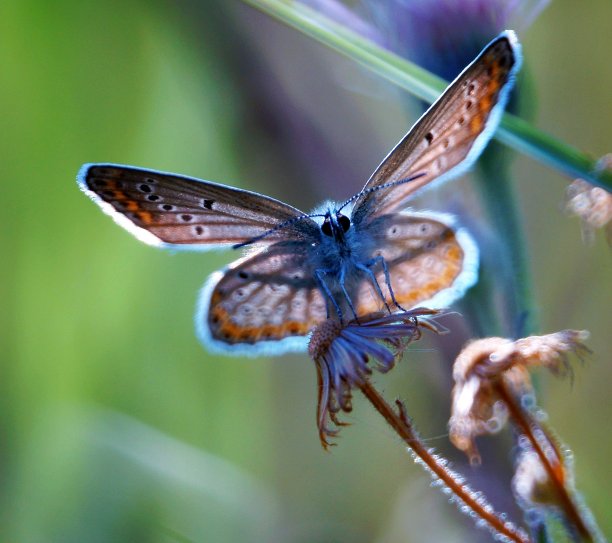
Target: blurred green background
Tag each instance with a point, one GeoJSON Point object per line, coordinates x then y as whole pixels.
{"type": "Point", "coordinates": [116, 424]}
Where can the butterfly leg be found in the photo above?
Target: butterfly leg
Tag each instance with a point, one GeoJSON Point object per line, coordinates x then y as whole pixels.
{"type": "Point", "coordinates": [320, 274]}
{"type": "Point", "coordinates": [388, 281]}
{"type": "Point", "coordinates": [385, 268]}
{"type": "Point", "coordinates": [367, 268]}
{"type": "Point", "coordinates": [346, 294]}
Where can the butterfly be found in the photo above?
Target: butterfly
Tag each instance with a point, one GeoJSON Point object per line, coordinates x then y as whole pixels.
{"type": "Point", "coordinates": [343, 260]}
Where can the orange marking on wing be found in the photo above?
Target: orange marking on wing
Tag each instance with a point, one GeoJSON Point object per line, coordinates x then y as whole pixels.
{"type": "Point", "coordinates": [224, 329]}
{"type": "Point", "coordinates": [496, 84]}
{"type": "Point", "coordinates": [476, 124]}
{"type": "Point", "coordinates": [215, 299]}
{"type": "Point", "coordinates": [485, 103]}
{"type": "Point", "coordinates": [443, 280]}
{"type": "Point", "coordinates": [218, 314]}
{"type": "Point", "coordinates": [233, 333]}
{"type": "Point", "coordinates": [145, 216]}
{"type": "Point", "coordinates": [420, 294]}
{"type": "Point", "coordinates": [454, 253]}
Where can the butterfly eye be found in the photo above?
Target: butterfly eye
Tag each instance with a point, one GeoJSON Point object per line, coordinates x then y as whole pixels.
{"type": "Point", "coordinates": [344, 222]}
{"type": "Point", "coordinates": [326, 227]}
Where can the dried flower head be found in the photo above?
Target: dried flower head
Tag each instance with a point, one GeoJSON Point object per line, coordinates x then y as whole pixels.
{"type": "Point", "coordinates": [548, 486]}
{"type": "Point", "coordinates": [532, 483]}
{"type": "Point", "coordinates": [592, 204]}
{"type": "Point", "coordinates": [484, 364]}
{"type": "Point", "coordinates": [343, 354]}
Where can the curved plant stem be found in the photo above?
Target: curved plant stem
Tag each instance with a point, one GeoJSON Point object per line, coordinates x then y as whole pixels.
{"type": "Point", "coordinates": [554, 466]}
{"type": "Point", "coordinates": [403, 427]}
{"type": "Point", "coordinates": [515, 132]}
{"type": "Point", "coordinates": [496, 190]}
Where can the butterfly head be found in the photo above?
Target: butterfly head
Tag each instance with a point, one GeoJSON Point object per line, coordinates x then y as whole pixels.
{"type": "Point", "coordinates": [335, 225]}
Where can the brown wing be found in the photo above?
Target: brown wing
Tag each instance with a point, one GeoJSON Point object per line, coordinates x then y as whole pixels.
{"type": "Point", "coordinates": [451, 134]}
{"type": "Point", "coordinates": [429, 262]}
{"type": "Point", "coordinates": [264, 303]}
{"type": "Point", "coordinates": [163, 208]}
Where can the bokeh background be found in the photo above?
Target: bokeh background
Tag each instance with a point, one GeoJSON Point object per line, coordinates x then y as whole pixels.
{"type": "Point", "coordinates": [116, 424]}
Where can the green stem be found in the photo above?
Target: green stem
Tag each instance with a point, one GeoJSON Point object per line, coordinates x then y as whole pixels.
{"type": "Point", "coordinates": [512, 269]}
{"type": "Point", "coordinates": [513, 131]}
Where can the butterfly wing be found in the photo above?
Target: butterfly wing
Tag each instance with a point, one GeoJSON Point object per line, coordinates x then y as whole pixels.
{"type": "Point", "coordinates": [265, 303]}
{"type": "Point", "coordinates": [165, 209]}
{"type": "Point", "coordinates": [451, 134]}
{"type": "Point", "coordinates": [430, 262]}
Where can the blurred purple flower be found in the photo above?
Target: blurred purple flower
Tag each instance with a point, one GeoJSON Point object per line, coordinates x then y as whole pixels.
{"type": "Point", "coordinates": [442, 36]}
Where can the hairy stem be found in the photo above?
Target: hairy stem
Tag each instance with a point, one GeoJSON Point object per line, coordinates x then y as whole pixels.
{"type": "Point", "coordinates": [554, 466]}
{"type": "Point", "coordinates": [402, 426]}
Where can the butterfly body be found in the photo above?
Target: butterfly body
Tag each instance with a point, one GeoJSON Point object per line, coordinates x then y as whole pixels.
{"type": "Point", "coordinates": [345, 259]}
{"type": "Point", "coordinates": [339, 258]}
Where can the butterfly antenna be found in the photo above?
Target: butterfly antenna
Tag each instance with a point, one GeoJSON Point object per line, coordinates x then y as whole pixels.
{"type": "Point", "coordinates": [380, 187]}
{"type": "Point", "coordinates": [280, 226]}
{"type": "Point", "coordinates": [293, 220]}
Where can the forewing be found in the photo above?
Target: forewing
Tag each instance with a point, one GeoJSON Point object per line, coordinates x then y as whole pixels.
{"type": "Point", "coordinates": [264, 303]}
{"type": "Point", "coordinates": [167, 209]}
{"type": "Point", "coordinates": [451, 134]}
{"type": "Point", "coordinates": [430, 263]}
